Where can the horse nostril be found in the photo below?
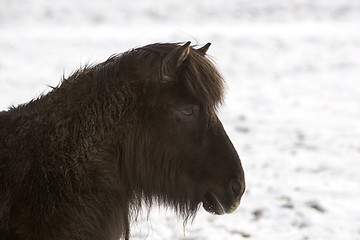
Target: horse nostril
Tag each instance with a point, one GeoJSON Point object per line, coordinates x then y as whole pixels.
{"type": "Point", "coordinates": [235, 188]}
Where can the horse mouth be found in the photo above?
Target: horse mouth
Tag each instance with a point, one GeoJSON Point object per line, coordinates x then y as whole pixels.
{"type": "Point", "coordinates": [214, 205]}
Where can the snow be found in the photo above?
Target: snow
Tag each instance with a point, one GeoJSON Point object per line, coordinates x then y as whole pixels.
{"type": "Point", "coordinates": [292, 105]}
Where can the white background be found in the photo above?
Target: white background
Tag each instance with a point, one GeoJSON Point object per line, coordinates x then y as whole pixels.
{"type": "Point", "coordinates": [292, 108]}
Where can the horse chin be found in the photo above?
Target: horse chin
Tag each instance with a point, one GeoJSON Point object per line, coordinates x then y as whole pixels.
{"type": "Point", "coordinates": [214, 205]}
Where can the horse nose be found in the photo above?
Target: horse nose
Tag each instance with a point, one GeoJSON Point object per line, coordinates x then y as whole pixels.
{"type": "Point", "coordinates": [236, 189]}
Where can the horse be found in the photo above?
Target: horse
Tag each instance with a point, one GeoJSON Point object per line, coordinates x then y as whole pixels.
{"type": "Point", "coordinates": [138, 129]}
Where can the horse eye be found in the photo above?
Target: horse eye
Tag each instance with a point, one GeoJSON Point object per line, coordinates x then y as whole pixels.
{"type": "Point", "coordinates": [188, 112]}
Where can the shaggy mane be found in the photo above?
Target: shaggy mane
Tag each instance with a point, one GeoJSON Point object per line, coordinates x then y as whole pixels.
{"type": "Point", "coordinates": [197, 73]}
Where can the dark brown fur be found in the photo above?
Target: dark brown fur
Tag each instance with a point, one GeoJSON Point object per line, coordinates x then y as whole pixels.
{"type": "Point", "coordinates": [78, 162]}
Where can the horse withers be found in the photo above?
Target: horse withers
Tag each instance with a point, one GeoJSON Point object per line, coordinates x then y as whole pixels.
{"type": "Point", "coordinates": [139, 128]}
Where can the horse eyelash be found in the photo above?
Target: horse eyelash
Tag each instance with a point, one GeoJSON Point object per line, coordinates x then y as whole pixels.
{"type": "Point", "coordinates": [188, 112]}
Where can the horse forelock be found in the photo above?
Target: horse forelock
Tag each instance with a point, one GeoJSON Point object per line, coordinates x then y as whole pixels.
{"type": "Point", "coordinates": [202, 80]}
{"type": "Point", "coordinates": [197, 73]}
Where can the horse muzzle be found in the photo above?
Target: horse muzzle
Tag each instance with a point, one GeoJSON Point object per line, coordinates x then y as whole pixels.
{"type": "Point", "coordinates": [224, 200]}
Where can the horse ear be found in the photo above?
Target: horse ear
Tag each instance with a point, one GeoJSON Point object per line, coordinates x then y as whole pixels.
{"type": "Point", "coordinates": [204, 49]}
{"type": "Point", "coordinates": [174, 59]}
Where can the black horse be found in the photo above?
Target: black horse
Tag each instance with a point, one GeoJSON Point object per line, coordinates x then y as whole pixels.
{"type": "Point", "coordinates": [141, 127]}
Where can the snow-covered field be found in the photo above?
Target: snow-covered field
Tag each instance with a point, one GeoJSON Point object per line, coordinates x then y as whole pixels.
{"type": "Point", "coordinates": [292, 107]}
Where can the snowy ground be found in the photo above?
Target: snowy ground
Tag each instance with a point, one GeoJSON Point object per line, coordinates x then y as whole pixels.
{"type": "Point", "coordinates": [292, 107]}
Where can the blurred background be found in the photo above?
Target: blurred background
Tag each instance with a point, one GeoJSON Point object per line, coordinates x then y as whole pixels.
{"type": "Point", "coordinates": [292, 105]}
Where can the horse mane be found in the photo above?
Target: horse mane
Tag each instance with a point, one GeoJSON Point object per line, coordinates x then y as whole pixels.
{"type": "Point", "coordinates": [198, 73]}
